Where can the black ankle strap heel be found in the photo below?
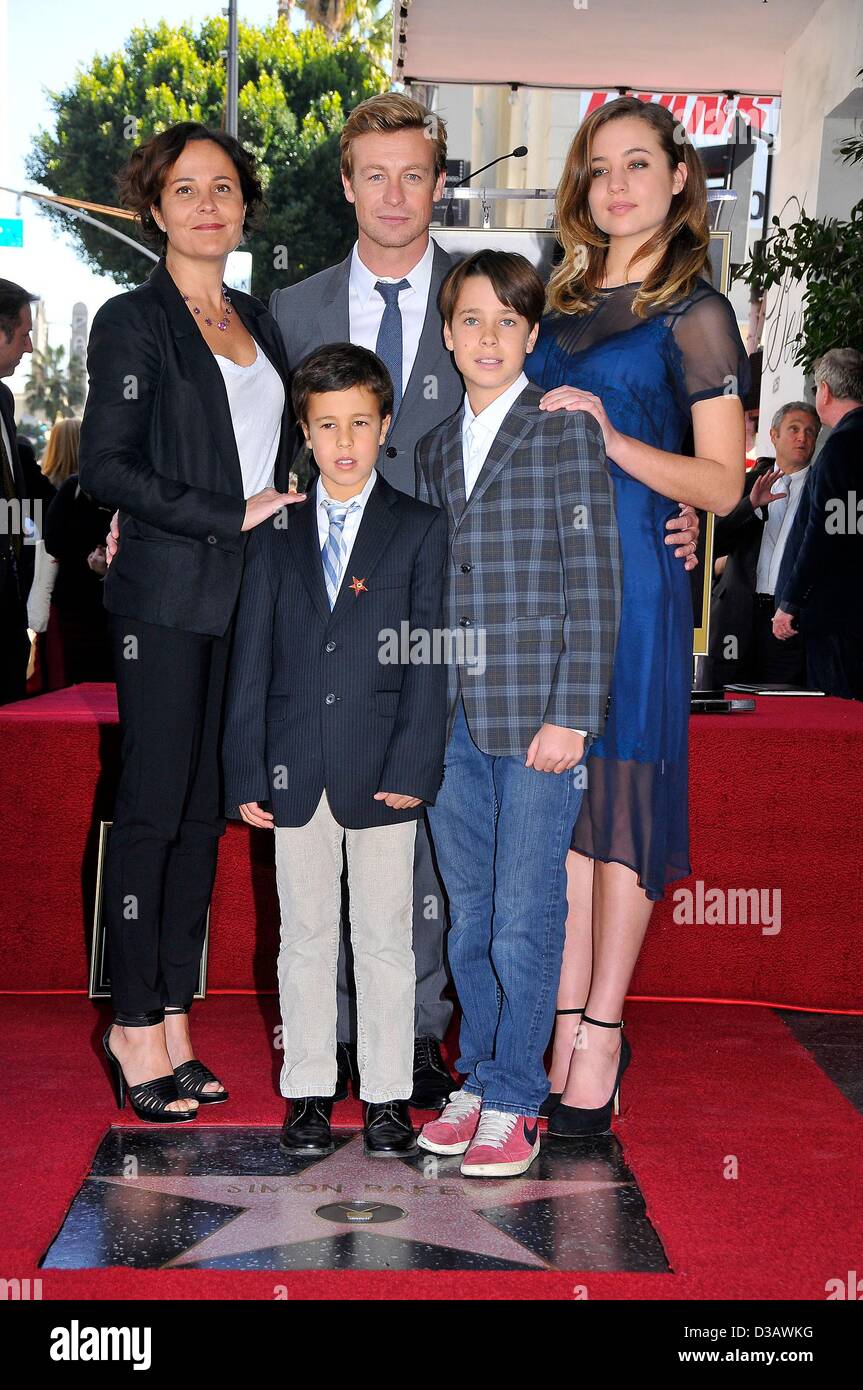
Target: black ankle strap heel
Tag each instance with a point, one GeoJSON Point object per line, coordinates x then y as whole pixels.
{"type": "Point", "coordinates": [573, 1121]}
{"type": "Point", "coordinates": [149, 1099]}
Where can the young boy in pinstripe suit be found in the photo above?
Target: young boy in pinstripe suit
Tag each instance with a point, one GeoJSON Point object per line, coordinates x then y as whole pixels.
{"type": "Point", "coordinates": [331, 740]}
{"type": "Point", "coordinates": [533, 571]}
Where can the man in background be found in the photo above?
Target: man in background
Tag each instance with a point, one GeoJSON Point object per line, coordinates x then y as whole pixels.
{"type": "Point", "coordinates": [16, 556]}
{"type": "Point", "coordinates": [754, 538]}
{"type": "Point", "coordinates": [819, 588]}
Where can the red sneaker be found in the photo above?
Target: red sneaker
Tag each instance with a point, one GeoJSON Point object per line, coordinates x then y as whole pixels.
{"type": "Point", "coordinates": [504, 1145]}
{"type": "Point", "coordinates": [454, 1128]}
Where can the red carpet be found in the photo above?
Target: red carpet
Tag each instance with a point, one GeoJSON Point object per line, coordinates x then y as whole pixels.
{"type": "Point", "coordinates": [706, 1084]}
{"type": "Point", "coordinates": [757, 824]}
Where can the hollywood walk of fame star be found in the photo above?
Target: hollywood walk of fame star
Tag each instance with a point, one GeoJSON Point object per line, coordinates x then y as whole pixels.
{"type": "Point", "coordinates": [358, 585]}
{"type": "Point", "coordinates": [280, 1210]}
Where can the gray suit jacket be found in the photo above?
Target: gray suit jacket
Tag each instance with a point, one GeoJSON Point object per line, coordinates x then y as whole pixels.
{"type": "Point", "coordinates": [316, 311]}
{"type": "Point", "coordinates": [532, 588]}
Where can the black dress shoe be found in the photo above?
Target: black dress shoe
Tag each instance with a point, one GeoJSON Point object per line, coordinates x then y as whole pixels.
{"type": "Point", "coordinates": [347, 1069]}
{"type": "Point", "coordinates": [387, 1130]}
{"type": "Point", "coordinates": [307, 1127]}
{"type": "Point", "coordinates": [432, 1080]}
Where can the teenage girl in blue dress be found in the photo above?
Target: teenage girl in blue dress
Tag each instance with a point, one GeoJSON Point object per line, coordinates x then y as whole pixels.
{"type": "Point", "coordinates": [637, 337]}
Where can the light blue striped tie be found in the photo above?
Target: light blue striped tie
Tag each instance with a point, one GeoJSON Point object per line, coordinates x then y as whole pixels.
{"type": "Point", "coordinates": [333, 553]}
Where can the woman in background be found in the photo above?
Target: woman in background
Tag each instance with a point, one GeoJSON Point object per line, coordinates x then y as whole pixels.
{"type": "Point", "coordinates": [74, 533]}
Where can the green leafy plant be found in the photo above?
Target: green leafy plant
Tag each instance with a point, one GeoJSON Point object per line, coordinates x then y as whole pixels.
{"type": "Point", "coordinates": [295, 91]}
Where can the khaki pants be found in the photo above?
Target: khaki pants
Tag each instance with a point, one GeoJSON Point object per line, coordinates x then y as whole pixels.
{"type": "Point", "coordinates": [380, 878]}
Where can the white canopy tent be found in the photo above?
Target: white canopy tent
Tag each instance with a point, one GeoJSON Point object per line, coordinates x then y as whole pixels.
{"type": "Point", "coordinates": [646, 45]}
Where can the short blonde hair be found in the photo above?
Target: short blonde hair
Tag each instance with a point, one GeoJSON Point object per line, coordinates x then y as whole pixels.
{"type": "Point", "coordinates": [389, 112]}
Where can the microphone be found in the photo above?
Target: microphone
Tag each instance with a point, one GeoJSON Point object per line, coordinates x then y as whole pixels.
{"type": "Point", "coordinates": [518, 153]}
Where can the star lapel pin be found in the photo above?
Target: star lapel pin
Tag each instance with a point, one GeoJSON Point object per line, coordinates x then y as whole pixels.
{"type": "Point", "coordinates": [358, 585]}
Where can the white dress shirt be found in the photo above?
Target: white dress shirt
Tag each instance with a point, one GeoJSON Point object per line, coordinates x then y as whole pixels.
{"type": "Point", "coordinates": [478, 432]}
{"type": "Point", "coordinates": [256, 397]}
{"type": "Point", "coordinates": [777, 529]}
{"type": "Point", "coordinates": [352, 520]}
{"type": "Point", "coordinates": [366, 306]}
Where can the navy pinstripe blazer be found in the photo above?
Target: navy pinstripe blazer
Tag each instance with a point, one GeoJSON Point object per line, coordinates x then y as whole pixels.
{"type": "Point", "coordinates": [532, 583]}
{"type": "Point", "coordinates": [310, 702]}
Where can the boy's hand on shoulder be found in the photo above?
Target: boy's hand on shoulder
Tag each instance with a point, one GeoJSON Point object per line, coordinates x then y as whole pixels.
{"type": "Point", "coordinates": [397, 802]}
{"type": "Point", "coordinates": [252, 814]}
{"type": "Point", "coordinates": [555, 749]}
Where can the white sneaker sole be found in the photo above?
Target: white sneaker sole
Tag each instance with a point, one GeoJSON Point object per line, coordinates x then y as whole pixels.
{"type": "Point", "coordinates": [443, 1148]}
{"type": "Point", "coordinates": [500, 1170]}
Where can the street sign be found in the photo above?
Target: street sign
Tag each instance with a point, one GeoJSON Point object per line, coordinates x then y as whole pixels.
{"type": "Point", "coordinates": [11, 231]}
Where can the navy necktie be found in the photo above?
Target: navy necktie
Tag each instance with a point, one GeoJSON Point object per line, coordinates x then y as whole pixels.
{"type": "Point", "coordinates": [389, 344]}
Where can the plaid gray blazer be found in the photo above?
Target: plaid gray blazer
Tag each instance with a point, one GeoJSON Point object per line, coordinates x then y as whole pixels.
{"type": "Point", "coordinates": [532, 588]}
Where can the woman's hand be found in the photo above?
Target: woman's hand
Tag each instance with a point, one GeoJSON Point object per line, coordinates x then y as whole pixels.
{"type": "Point", "coordinates": [570, 398]}
{"type": "Point", "coordinates": [112, 540]}
{"type": "Point", "coordinates": [265, 504]}
{"type": "Point", "coordinates": [253, 815]}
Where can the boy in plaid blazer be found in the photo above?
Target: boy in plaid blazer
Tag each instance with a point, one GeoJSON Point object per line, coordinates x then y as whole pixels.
{"type": "Point", "coordinates": [531, 597]}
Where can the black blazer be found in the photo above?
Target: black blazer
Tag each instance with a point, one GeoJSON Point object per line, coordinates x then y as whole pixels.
{"type": "Point", "coordinates": [821, 575]}
{"type": "Point", "coordinates": [157, 442]}
{"type": "Point", "coordinates": [738, 536]}
{"type": "Point", "coordinates": [310, 703]}
{"type": "Point", "coordinates": [17, 577]}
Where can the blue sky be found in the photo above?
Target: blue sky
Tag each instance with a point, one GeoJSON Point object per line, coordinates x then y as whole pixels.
{"type": "Point", "coordinates": [47, 40]}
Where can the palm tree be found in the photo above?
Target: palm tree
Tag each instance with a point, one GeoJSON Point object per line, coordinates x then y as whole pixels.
{"type": "Point", "coordinates": [369, 20]}
{"type": "Point", "coordinates": [53, 388]}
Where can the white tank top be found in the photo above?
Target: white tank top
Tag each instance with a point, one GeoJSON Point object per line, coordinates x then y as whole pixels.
{"type": "Point", "coordinates": [256, 397]}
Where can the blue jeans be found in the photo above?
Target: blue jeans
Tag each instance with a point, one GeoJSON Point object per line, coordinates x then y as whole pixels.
{"type": "Point", "coordinates": [501, 832]}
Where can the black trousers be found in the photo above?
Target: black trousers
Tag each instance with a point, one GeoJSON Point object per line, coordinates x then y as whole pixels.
{"type": "Point", "coordinates": [772, 661]}
{"type": "Point", "coordinates": [14, 643]}
{"type": "Point", "coordinates": [834, 663]}
{"type": "Point", "coordinates": [167, 819]}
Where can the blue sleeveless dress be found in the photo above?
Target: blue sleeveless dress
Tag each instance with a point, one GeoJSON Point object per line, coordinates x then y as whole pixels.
{"type": "Point", "coordinates": [648, 373]}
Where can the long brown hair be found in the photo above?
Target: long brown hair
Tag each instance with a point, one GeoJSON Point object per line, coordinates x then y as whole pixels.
{"type": "Point", "coordinates": [61, 455]}
{"type": "Point", "coordinates": [683, 239]}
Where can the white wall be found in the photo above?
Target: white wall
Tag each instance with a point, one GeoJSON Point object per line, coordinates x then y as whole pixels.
{"type": "Point", "coordinates": [821, 95]}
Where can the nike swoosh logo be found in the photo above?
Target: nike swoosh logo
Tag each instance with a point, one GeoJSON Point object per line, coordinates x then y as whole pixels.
{"type": "Point", "coordinates": [530, 1134]}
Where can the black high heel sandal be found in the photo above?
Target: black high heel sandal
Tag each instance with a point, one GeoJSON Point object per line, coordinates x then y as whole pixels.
{"type": "Point", "coordinates": [149, 1099]}
{"type": "Point", "coordinates": [572, 1121]}
{"type": "Point", "coordinates": [191, 1077]}
{"type": "Point", "coordinates": [552, 1100]}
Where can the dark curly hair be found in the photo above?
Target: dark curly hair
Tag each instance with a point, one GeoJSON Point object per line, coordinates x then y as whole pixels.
{"type": "Point", "coordinates": [142, 179]}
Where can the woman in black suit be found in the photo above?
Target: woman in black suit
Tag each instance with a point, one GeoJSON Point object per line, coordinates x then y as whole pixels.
{"type": "Point", "coordinates": [187, 431]}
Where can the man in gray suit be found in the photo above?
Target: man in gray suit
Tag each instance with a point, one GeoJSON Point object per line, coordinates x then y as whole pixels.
{"type": "Point", "coordinates": [383, 296]}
